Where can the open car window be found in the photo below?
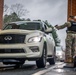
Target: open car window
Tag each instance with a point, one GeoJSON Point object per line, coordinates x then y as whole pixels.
{"type": "Point", "coordinates": [25, 26]}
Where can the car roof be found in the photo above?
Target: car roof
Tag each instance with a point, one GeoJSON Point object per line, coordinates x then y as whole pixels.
{"type": "Point", "coordinates": [21, 22]}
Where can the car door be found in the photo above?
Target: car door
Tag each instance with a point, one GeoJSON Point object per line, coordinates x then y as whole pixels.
{"type": "Point", "coordinates": [49, 40]}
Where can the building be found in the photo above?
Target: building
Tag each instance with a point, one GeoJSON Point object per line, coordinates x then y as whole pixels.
{"type": "Point", "coordinates": [1, 12]}
{"type": "Point", "coordinates": [71, 7]}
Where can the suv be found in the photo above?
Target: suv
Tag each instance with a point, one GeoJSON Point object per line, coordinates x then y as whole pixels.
{"type": "Point", "coordinates": [27, 40]}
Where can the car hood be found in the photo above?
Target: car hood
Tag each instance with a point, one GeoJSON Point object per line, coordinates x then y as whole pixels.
{"type": "Point", "coordinates": [17, 31]}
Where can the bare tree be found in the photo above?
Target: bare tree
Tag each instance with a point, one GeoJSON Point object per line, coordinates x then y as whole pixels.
{"type": "Point", "coordinates": [5, 8]}
{"type": "Point", "coordinates": [19, 10]}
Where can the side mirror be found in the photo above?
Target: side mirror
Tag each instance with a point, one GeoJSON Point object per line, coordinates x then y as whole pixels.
{"type": "Point", "coordinates": [49, 30]}
{"type": "Point", "coordinates": [62, 49]}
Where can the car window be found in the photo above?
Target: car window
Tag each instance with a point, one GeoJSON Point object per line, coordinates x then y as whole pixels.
{"type": "Point", "coordinates": [26, 26]}
{"type": "Point", "coordinates": [45, 26]}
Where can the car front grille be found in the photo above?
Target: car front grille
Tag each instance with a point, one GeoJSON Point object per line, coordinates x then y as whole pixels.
{"type": "Point", "coordinates": [12, 38]}
{"type": "Point", "coordinates": [12, 51]}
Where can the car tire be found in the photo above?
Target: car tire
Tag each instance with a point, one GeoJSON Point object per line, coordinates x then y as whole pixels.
{"type": "Point", "coordinates": [41, 62]}
{"type": "Point", "coordinates": [53, 59]}
{"type": "Point", "coordinates": [75, 62]}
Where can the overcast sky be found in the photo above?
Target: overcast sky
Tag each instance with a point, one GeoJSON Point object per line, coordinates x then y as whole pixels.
{"type": "Point", "coordinates": [55, 11]}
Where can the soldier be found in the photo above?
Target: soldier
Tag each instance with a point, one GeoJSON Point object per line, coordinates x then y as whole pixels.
{"type": "Point", "coordinates": [70, 38]}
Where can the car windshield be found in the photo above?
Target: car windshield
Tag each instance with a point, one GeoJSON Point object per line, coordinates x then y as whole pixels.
{"type": "Point", "coordinates": [25, 26]}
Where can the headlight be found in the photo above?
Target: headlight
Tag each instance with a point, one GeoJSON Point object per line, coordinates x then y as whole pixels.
{"type": "Point", "coordinates": [34, 39]}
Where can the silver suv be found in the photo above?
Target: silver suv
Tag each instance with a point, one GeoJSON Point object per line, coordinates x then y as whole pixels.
{"type": "Point", "coordinates": [27, 40]}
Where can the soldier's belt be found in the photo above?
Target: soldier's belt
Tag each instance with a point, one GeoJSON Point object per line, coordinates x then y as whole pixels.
{"type": "Point", "coordinates": [71, 32]}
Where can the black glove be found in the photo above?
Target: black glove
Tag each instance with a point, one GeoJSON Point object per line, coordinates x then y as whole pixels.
{"type": "Point", "coordinates": [56, 25]}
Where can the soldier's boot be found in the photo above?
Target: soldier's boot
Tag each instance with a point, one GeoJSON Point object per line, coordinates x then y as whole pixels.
{"type": "Point", "coordinates": [69, 62]}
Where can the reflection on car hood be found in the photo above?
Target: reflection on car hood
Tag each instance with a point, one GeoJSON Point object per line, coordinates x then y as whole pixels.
{"type": "Point", "coordinates": [17, 31]}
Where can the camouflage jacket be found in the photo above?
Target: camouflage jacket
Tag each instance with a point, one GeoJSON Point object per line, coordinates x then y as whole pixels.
{"type": "Point", "coordinates": [66, 24]}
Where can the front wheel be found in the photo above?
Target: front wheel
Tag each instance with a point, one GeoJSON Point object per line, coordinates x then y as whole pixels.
{"type": "Point", "coordinates": [74, 62]}
{"type": "Point", "coordinates": [51, 61]}
{"type": "Point", "coordinates": [41, 63]}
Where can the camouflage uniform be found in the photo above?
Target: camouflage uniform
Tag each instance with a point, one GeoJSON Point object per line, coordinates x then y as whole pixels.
{"type": "Point", "coordinates": [70, 43]}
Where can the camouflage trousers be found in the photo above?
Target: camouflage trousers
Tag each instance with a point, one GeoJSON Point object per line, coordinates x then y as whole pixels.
{"type": "Point", "coordinates": [70, 47]}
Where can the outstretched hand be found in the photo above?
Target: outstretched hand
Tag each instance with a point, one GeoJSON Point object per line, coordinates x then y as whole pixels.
{"type": "Point", "coordinates": [56, 26]}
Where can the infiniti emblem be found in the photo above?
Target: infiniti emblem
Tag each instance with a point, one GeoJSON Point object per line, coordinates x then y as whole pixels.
{"type": "Point", "coordinates": [8, 38]}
